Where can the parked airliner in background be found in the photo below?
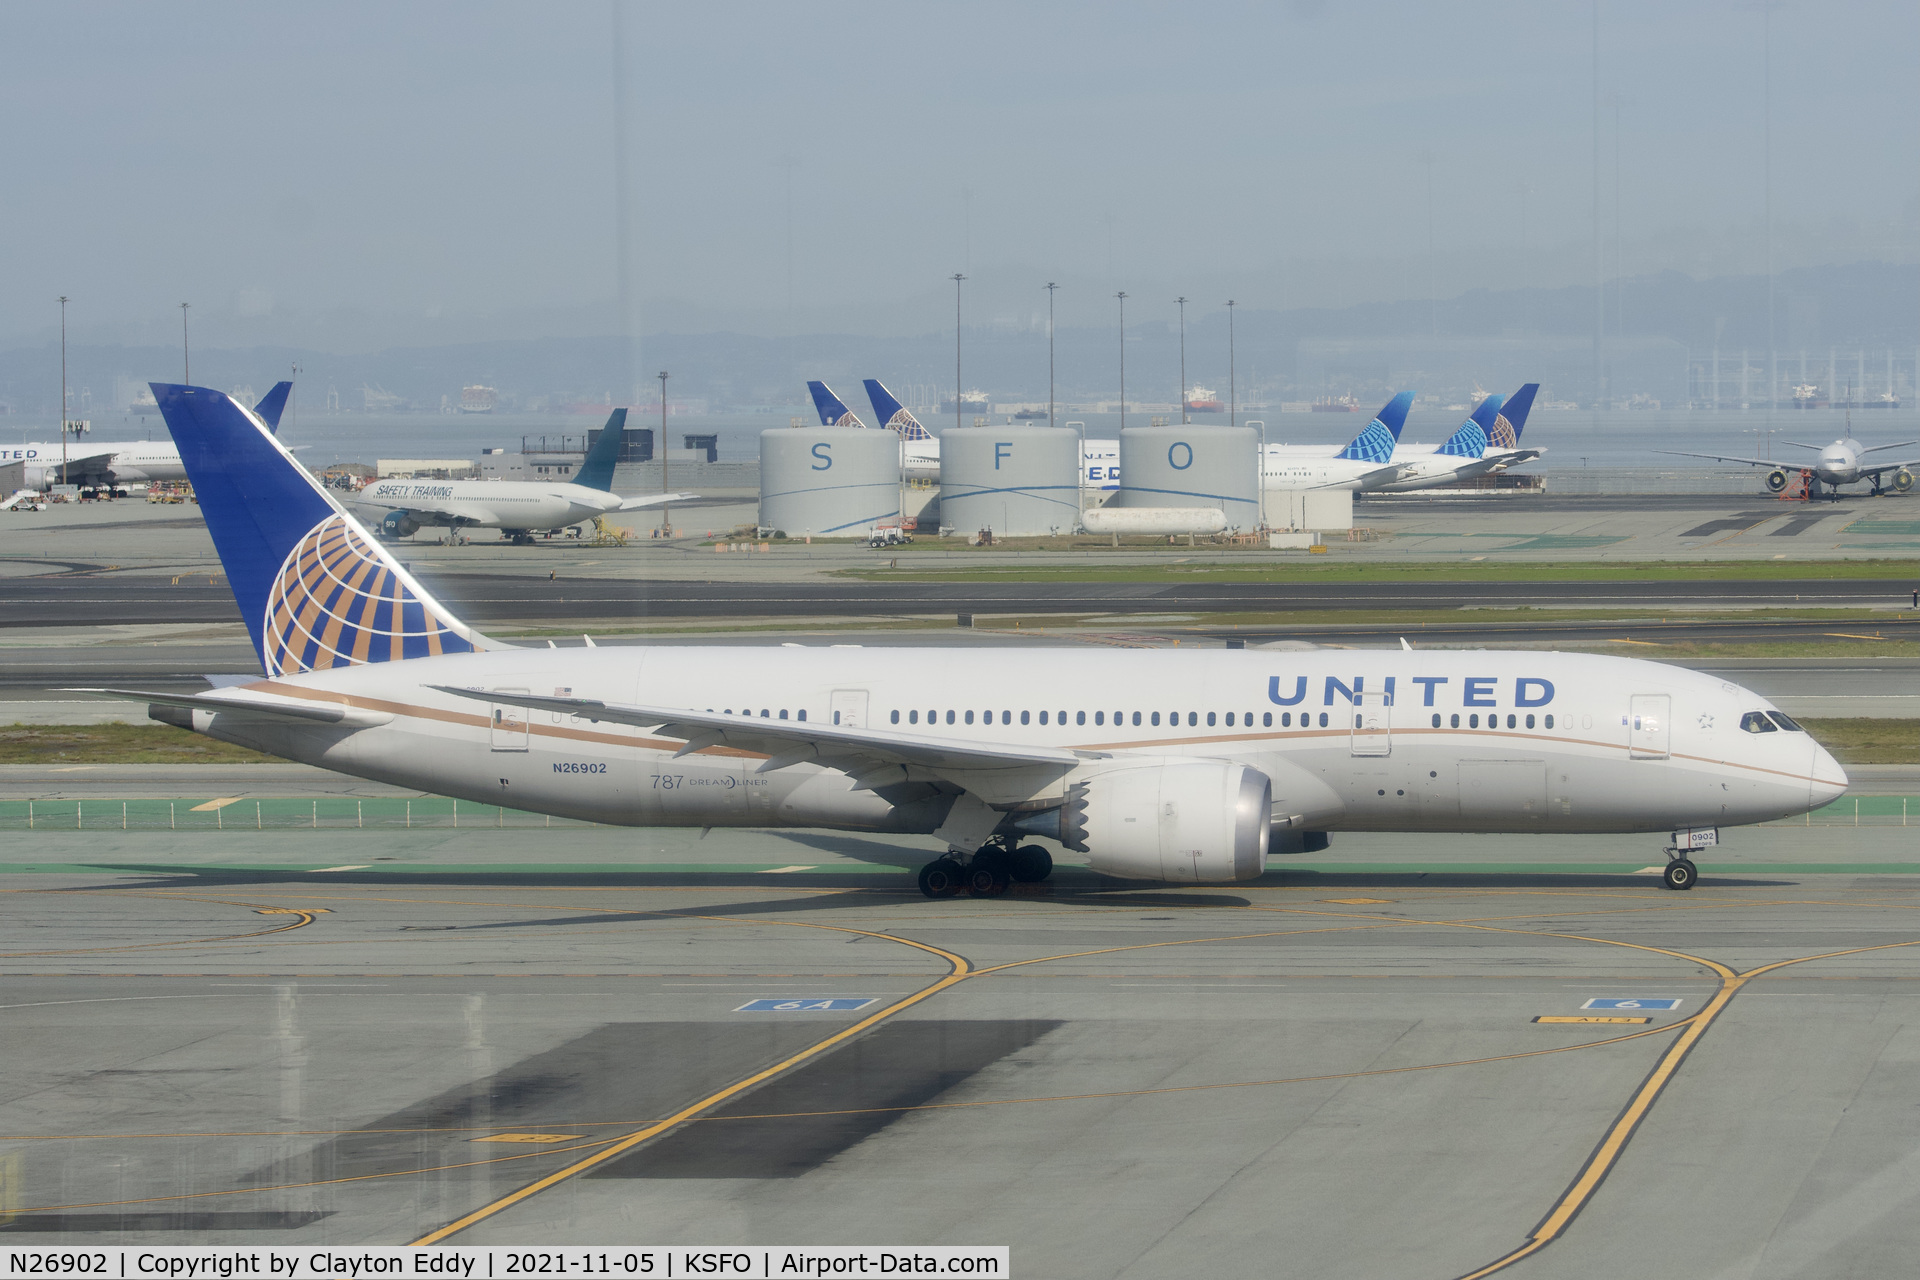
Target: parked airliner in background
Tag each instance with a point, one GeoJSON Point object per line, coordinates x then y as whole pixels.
{"type": "Point", "coordinates": [1487, 442]}
{"type": "Point", "coordinates": [919, 449]}
{"type": "Point", "coordinates": [1842, 462]}
{"type": "Point", "coordinates": [1365, 463]}
{"type": "Point", "coordinates": [518, 508]}
{"type": "Point", "coordinates": [1161, 764]}
{"type": "Point", "coordinates": [96, 465]}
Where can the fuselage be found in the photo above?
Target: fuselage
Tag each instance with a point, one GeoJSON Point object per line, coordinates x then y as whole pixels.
{"type": "Point", "coordinates": [1839, 462]}
{"type": "Point", "coordinates": [130, 462]}
{"type": "Point", "coordinates": [1353, 740]}
{"type": "Point", "coordinates": [485, 504]}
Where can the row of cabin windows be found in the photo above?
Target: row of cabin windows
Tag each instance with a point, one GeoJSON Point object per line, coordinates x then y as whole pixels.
{"type": "Point", "coordinates": [1493, 721]}
{"type": "Point", "coordinates": [1099, 717]}
{"type": "Point", "coordinates": [1152, 718]}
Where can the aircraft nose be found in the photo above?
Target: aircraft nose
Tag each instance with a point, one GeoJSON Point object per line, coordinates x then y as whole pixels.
{"type": "Point", "coordinates": [1829, 779]}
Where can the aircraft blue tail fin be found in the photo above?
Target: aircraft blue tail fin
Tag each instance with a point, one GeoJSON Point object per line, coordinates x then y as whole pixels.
{"type": "Point", "coordinates": [892, 413]}
{"type": "Point", "coordinates": [596, 470]}
{"type": "Point", "coordinates": [1376, 443]}
{"type": "Point", "coordinates": [1470, 441]}
{"type": "Point", "coordinates": [272, 405]}
{"type": "Point", "coordinates": [832, 412]}
{"type": "Point", "coordinates": [314, 588]}
{"type": "Point", "coordinates": [1513, 418]}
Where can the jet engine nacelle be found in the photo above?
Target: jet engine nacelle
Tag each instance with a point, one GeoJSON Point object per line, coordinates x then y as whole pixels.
{"type": "Point", "coordinates": [399, 524]}
{"type": "Point", "coordinates": [1902, 480]}
{"type": "Point", "coordinates": [1184, 820]}
{"type": "Point", "coordinates": [1776, 479]}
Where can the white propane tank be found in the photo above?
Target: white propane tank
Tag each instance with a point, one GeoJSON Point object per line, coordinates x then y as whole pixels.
{"type": "Point", "coordinates": [1112, 519]}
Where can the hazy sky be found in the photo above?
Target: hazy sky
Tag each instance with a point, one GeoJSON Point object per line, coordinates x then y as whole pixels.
{"type": "Point", "coordinates": [345, 174]}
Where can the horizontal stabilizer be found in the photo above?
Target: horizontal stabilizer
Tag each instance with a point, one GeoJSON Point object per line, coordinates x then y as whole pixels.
{"type": "Point", "coordinates": [253, 702]}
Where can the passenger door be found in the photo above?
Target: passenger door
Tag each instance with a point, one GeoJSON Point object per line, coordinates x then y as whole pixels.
{"type": "Point", "coordinates": [1372, 724]}
{"type": "Point", "coordinates": [1648, 729]}
{"type": "Point", "coordinates": [849, 708]}
{"type": "Point", "coordinates": [510, 730]}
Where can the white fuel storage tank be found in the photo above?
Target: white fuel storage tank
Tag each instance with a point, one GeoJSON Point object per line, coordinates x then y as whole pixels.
{"type": "Point", "coordinates": [1016, 481]}
{"type": "Point", "coordinates": [1192, 466]}
{"type": "Point", "coordinates": [829, 481]}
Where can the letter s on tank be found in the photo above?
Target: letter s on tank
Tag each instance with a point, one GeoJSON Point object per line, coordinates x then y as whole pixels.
{"type": "Point", "coordinates": [825, 458]}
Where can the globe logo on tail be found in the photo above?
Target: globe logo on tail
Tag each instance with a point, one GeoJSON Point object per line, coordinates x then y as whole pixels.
{"type": "Point", "coordinates": [1503, 433]}
{"type": "Point", "coordinates": [339, 602]}
{"type": "Point", "coordinates": [1375, 444]}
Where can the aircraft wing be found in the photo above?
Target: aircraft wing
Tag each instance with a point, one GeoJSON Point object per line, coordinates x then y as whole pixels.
{"type": "Point", "coordinates": [254, 702]}
{"type": "Point", "coordinates": [1511, 458]}
{"type": "Point", "coordinates": [996, 772]}
{"type": "Point", "coordinates": [447, 513]}
{"type": "Point", "coordinates": [1368, 479]}
{"type": "Point", "coordinates": [1878, 467]}
{"type": "Point", "coordinates": [1876, 448]}
{"type": "Point", "coordinates": [82, 463]}
{"type": "Point", "coordinates": [655, 500]}
{"type": "Point", "coordinates": [1721, 457]}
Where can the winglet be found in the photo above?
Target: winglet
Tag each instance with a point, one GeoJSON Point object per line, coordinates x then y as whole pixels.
{"type": "Point", "coordinates": [892, 413]}
{"type": "Point", "coordinates": [832, 412]}
{"type": "Point", "coordinates": [1375, 444]}
{"type": "Point", "coordinates": [272, 405]}
{"type": "Point", "coordinates": [596, 469]}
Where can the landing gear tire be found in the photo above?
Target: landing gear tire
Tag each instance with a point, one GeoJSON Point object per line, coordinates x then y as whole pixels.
{"type": "Point", "coordinates": [1680, 874]}
{"type": "Point", "coordinates": [941, 878]}
{"type": "Point", "coordinates": [1030, 864]}
{"type": "Point", "coordinates": [987, 875]}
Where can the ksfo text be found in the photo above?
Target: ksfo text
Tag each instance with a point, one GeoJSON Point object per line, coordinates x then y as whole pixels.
{"type": "Point", "coordinates": [759, 1262]}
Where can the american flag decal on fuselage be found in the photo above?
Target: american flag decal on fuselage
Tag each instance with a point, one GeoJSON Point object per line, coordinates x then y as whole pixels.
{"type": "Point", "coordinates": [337, 603]}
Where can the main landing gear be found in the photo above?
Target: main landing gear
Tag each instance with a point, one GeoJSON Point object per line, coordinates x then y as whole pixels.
{"type": "Point", "coordinates": [989, 872]}
{"type": "Point", "coordinates": [1680, 873]}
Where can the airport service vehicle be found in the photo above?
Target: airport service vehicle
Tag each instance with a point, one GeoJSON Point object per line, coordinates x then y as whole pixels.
{"type": "Point", "coordinates": [114, 465]}
{"type": "Point", "coordinates": [1842, 462]}
{"type": "Point", "coordinates": [1165, 765]}
{"type": "Point", "coordinates": [1365, 463]}
{"type": "Point", "coordinates": [1487, 442]}
{"type": "Point", "coordinates": [518, 508]}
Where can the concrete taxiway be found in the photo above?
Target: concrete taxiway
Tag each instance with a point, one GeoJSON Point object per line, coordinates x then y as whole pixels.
{"type": "Point", "coordinates": [1363, 1069]}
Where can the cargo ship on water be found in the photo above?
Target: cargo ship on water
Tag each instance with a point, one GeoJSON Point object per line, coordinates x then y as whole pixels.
{"type": "Point", "coordinates": [1205, 400]}
{"type": "Point", "coordinates": [1336, 404]}
{"type": "Point", "coordinates": [478, 399]}
{"type": "Point", "coordinates": [971, 402]}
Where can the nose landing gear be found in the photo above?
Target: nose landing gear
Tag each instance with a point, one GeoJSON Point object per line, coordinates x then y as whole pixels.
{"type": "Point", "coordinates": [989, 872]}
{"type": "Point", "coordinates": [1680, 873]}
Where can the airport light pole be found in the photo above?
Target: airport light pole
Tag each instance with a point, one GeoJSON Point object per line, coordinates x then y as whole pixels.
{"type": "Point", "coordinates": [1233, 403]}
{"type": "Point", "coordinates": [1183, 361]}
{"type": "Point", "coordinates": [957, 278]}
{"type": "Point", "coordinates": [186, 363]}
{"type": "Point", "coordinates": [666, 510]}
{"type": "Point", "coordinates": [63, 389]}
{"type": "Point", "coordinates": [1122, 295]}
{"type": "Point", "coordinates": [1051, 286]}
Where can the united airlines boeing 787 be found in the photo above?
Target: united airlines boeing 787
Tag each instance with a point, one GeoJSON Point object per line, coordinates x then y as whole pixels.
{"type": "Point", "coordinates": [1170, 764]}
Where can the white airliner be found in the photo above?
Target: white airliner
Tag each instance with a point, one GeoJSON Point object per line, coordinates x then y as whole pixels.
{"type": "Point", "coordinates": [518, 508]}
{"type": "Point", "coordinates": [95, 464]}
{"type": "Point", "coordinates": [1168, 765]}
{"type": "Point", "coordinates": [1366, 462]}
{"type": "Point", "coordinates": [1842, 462]}
{"type": "Point", "coordinates": [1487, 442]}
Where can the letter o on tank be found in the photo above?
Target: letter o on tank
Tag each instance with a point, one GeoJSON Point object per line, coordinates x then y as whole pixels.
{"type": "Point", "coordinates": [1531, 691]}
{"type": "Point", "coordinates": [1174, 462]}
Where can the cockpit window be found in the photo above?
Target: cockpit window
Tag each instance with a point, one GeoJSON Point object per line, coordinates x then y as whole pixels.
{"type": "Point", "coordinates": [1785, 721]}
{"type": "Point", "coordinates": [1757, 722]}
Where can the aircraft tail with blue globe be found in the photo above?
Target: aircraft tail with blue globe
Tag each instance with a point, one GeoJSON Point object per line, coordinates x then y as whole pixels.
{"type": "Point", "coordinates": [1376, 442]}
{"type": "Point", "coordinates": [315, 589]}
{"type": "Point", "coordinates": [892, 413]}
{"type": "Point", "coordinates": [1470, 441]}
{"type": "Point", "coordinates": [832, 412]}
